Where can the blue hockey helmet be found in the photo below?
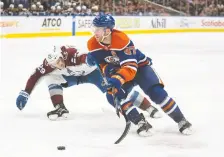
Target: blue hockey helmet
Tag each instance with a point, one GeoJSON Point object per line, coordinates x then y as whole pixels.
{"type": "Point", "coordinates": [104, 20]}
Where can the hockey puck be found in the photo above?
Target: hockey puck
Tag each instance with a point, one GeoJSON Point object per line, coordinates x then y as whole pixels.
{"type": "Point", "coordinates": [61, 147]}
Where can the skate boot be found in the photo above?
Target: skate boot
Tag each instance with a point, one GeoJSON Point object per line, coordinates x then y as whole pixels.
{"type": "Point", "coordinates": [144, 128]}
{"type": "Point", "coordinates": [185, 127]}
{"type": "Point", "coordinates": [153, 112]}
{"type": "Point", "coordinates": [59, 112]}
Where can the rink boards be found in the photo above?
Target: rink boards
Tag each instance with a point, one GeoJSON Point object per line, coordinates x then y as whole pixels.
{"type": "Point", "coordinates": [50, 26]}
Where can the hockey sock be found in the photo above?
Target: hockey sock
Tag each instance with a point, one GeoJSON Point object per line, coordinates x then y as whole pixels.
{"type": "Point", "coordinates": [140, 101]}
{"type": "Point", "coordinates": [56, 93]}
{"type": "Point", "coordinates": [131, 112]}
{"type": "Point", "coordinates": [170, 107]}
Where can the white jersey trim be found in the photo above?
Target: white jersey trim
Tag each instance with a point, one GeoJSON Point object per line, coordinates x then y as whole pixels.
{"type": "Point", "coordinates": [128, 60]}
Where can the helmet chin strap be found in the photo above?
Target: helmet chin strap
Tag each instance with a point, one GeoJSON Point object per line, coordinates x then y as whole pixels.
{"type": "Point", "coordinates": [105, 36]}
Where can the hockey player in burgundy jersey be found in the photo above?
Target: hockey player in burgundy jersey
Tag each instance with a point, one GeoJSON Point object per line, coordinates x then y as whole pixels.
{"type": "Point", "coordinates": [60, 63]}
{"type": "Point", "coordinates": [65, 67]}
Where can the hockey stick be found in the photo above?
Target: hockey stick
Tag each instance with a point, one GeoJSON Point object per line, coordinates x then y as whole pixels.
{"type": "Point", "coordinates": [127, 126]}
{"type": "Point", "coordinates": [117, 106]}
{"type": "Point", "coordinates": [118, 109]}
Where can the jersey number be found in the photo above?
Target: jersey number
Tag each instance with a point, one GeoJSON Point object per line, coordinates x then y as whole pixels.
{"type": "Point", "coordinates": [130, 50]}
{"type": "Point", "coordinates": [41, 69]}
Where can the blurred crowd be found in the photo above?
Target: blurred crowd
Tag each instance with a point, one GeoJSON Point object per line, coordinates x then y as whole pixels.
{"type": "Point", "coordinates": [115, 7]}
{"type": "Point", "coordinates": [196, 7]}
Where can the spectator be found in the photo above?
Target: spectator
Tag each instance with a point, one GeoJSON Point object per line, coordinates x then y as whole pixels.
{"type": "Point", "coordinates": [117, 7]}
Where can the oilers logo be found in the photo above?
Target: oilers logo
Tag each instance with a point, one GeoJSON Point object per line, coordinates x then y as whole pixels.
{"type": "Point", "coordinates": [112, 60]}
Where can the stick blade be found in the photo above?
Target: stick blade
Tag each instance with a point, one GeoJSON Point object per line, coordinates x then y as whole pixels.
{"type": "Point", "coordinates": [124, 134]}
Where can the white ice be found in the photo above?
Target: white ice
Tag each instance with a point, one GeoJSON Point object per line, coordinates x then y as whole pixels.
{"type": "Point", "coordinates": [190, 65]}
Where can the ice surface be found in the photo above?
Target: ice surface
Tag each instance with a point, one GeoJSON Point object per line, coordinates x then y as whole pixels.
{"type": "Point", "coordinates": [190, 65]}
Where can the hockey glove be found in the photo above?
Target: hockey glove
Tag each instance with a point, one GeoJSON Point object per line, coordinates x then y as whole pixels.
{"type": "Point", "coordinates": [64, 85]}
{"type": "Point", "coordinates": [121, 94]}
{"type": "Point", "coordinates": [110, 70]}
{"type": "Point", "coordinates": [90, 60]}
{"type": "Point", "coordinates": [70, 83]}
{"type": "Point", "coordinates": [114, 83]}
{"type": "Point", "coordinates": [22, 99]}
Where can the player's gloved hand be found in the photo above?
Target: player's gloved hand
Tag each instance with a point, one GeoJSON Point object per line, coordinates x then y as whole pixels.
{"type": "Point", "coordinates": [90, 60]}
{"type": "Point", "coordinates": [114, 83]}
{"type": "Point", "coordinates": [22, 99]}
{"type": "Point", "coordinates": [64, 85]}
{"type": "Point", "coordinates": [110, 69]}
{"type": "Point", "coordinates": [69, 83]}
{"type": "Point", "coordinates": [121, 94]}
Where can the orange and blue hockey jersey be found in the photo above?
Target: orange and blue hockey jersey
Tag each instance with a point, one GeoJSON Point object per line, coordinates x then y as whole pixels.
{"type": "Point", "coordinates": [121, 52]}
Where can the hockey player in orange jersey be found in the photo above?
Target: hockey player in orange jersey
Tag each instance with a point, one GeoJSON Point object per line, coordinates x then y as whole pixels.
{"type": "Point", "coordinates": [110, 49]}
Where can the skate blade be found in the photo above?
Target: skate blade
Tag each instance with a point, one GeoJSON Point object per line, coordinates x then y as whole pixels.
{"type": "Point", "coordinates": [188, 131]}
{"type": "Point", "coordinates": [53, 117]}
{"type": "Point", "coordinates": [65, 116]}
{"type": "Point", "coordinates": [146, 133]}
{"type": "Point", "coordinates": [157, 115]}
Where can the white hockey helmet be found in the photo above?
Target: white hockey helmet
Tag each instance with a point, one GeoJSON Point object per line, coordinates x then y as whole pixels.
{"type": "Point", "coordinates": [54, 55]}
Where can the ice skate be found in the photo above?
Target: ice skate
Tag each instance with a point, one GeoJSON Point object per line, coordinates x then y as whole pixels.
{"type": "Point", "coordinates": [185, 127]}
{"type": "Point", "coordinates": [59, 112]}
{"type": "Point", "coordinates": [154, 112]}
{"type": "Point", "coordinates": [144, 128]}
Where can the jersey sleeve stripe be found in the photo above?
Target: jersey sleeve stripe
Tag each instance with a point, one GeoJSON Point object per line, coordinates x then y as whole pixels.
{"type": "Point", "coordinates": [131, 63]}
{"type": "Point", "coordinates": [144, 63]}
{"type": "Point", "coordinates": [142, 60]}
{"type": "Point", "coordinates": [128, 60]}
{"type": "Point", "coordinates": [132, 67]}
{"type": "Point", "coordinates": [119, 77]}
{"type": "Point", "coordinates": [127, 73]}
